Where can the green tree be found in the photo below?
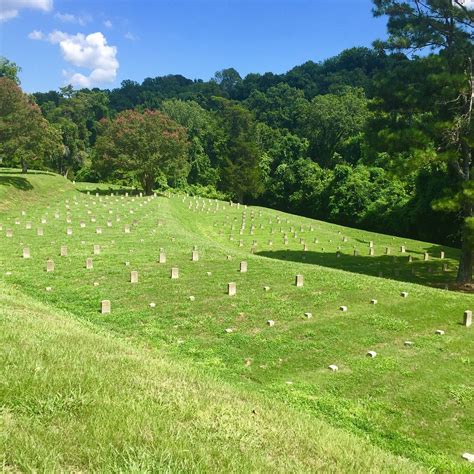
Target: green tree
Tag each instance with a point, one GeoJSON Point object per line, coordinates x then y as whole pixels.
{"type": "Point", "coordinates": [204, 139]}
{"type": "Point", "coordinates": [147, 144]}
{"type": "Point", "coordinates": [25, 136]}
{"type": "Point", "coordinates": [241, 173]}
{"type": "Point", "coordinates": [434, 118]}
{"type": "Point", "coordinates": [279, 106]}
{"type": "Point", "coordinates": [228, 80]}
{"type": "Point", "coordinates": [330, 121]}
{"type": "Point", "coordinates": [9, 69]}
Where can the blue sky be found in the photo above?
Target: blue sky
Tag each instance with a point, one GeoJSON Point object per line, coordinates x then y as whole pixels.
{"type": "Point", "coordinates": [101, 43]}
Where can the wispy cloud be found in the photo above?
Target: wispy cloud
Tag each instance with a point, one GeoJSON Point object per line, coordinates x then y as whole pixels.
{"type": "Point", "coordinates": [75, 19]}
{"type": "Point", "coordinates": [130, 36]}
{"type": "Point", "coordinates": [36, 35]}
{"type": "Point", "coordinates": [108, 24]}
{"type": "Point", "coordinates": [11, 8]}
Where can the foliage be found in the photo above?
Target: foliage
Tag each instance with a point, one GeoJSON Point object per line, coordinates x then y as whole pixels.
{"type": "Point", "coordinates": [10, 70]}
{"type": "Point", "coordinates": [240, 174]}
{"type": "Point", "coordinates": [146, 144]}
{"type": "Point", "coordinates": [426, 104]}
{"type": "Point", "coordinates": [25, 136]}
{"type": "Point", "coordinates": [329, 121]}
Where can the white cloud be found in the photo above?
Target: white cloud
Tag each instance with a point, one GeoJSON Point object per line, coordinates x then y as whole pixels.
{"type": "Point", "coordinates": [108, 24]}
{"type": "Point", "coordinates": [90, 52]}
{"type": "Point", "coordinates": [11, 8]}
{"type": "Point", "coordinates": [130, 36]}
{"type": "Point", "coordinates": [36, 35]}
{"type": "Point", "coordinates": [70, 18]}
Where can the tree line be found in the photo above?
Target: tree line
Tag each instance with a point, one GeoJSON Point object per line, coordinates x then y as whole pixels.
{"type": "Point", "coordinates": [379, 138]}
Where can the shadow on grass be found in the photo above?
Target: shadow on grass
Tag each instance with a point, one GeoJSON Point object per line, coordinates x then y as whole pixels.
{"type": "Point", "coordinates": [19, 183]}
{"type": "Point", "coordinates": [4, 171]}
{"type": "Point", "coordinates": [430, 273]}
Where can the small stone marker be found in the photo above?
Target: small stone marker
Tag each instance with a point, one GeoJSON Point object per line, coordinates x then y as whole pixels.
{"type": "Point", "coordinates": [243, 267]}
{"type": "Point", "coordinates": [105, 307]}
{"type": "Point", "coordinates": [468, 457]}
{"type": "Point", "coordinates": [299, 280]}
{"type": "Point", "coordinates": [426, 256]}
{"type": "Point", "coordinates": [371, 354]}
{"type": "Point", "coordinates": [152, 305]}
{"type": "Point", "coordinates": [69, 231]}
{"type": "Point", "coordinates": [408, 343]}
{"type": "Point", "coordinates": [126, 228]}
{"type": "Point", "coordinates": [192, 298]}
{"type": "Point", "coordinates": [404, 294]}
{"type": "Point", "coordinates": [374, 301]}
{"type": "Point", "coordinates": [231, 289]}
{"type": "Point", "coordinates": [371, 252]}
{"type": "Point", "coordinates": [468, 318]}
{"type": "Point", "coordinates": [402, 249]}
{"type": "Point", "coordinates": [343, 308]}
{"type": "Point", "coordinates": [134, 276]}
{"type": "Point", "coordinates": [26, 252]}
{"type": "Point", "coordinates": [162, 258]}
{"type": "Point", "coordinates": [195, 256]}
{"type": "Point", "coordinates": [333, 368]}
{"type": "Point", "coordinates": [229, 330]}
{"type": "Point", "coordinates": [266, 288]}
{"type": "Point", "coordinates": [308, 315]}
{"type": "Point", "coordinates": [271, 323]}
{"type": "Point", "coordinates": [174, 273]}
{"type": "Point", "coordinates": [49, 266]}
{"type": "Point", "coordinates": [439, 332]}
{"type": "Point", "coordinates": [96, 249]}
{"type": "Point", "coordinates": [89, 264]}
{"type": "Point", "coordinates": [441, 255]}
{"type": "Point", "coordinates": [39, 231]}
{"type": "Point", "coordinates": [98, 230]}
{"type": "Point", "coordinates": [63, 251]}
{"type": "Point", "coordinates": [9, 233]}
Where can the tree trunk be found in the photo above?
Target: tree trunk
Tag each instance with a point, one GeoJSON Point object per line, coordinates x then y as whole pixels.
{"type": "Point", "coordinates": [24, 166]}
{"type": "Point", "coordinates": [467, 251]}
{"type": "Point", "coordinates": [148, 183]}
{"type": "Point", "coordinates": [465, 264]}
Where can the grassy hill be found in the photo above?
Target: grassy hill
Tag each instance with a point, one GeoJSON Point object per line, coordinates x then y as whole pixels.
{"type": "Point", "coordinates": [411, 400]}
{"type": "Point", "coordinates": [75, 399]}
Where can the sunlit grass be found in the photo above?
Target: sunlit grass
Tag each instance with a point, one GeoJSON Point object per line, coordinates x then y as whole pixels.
{"type": "Point", "coordinates": [410, 400]}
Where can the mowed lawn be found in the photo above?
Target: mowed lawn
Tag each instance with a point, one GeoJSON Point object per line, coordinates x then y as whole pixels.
{"type": "Point", "coordinates": [412, 400]}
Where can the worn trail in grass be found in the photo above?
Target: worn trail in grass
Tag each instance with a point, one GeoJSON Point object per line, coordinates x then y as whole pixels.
{"type": "Point", "coordinates": [415, 401]}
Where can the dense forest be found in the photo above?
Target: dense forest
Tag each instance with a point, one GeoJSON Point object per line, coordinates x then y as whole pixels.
{"type": "Point", "coordinates": [377, 138]}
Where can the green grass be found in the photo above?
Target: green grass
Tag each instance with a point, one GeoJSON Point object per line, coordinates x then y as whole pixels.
{"type": "Point", "coordinates": [411, 401]}
{"type": "Point", "coordinates": [74, 399]}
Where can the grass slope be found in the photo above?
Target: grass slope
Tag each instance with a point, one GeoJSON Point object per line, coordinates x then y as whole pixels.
{"type": "Point", "coordinates": [414, 401]}
{"type": "Point", "coordinates": [74, 400]}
